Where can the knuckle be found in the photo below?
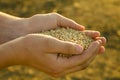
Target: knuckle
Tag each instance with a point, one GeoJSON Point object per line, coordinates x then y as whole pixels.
{"type": "Point", "coordinates": [33, 39]}
{"type": "Point", "coordinates": [95, 44]}
{"type": "Point", "coordinates": [28, 37]}
{"type": "Point", "coordinates": [36, 15]}
{"type": "Point", "coordinates": [48, 43]}
{"type": "Point", "coordinates": [98, 43]}
{"type": "Point", "coordinates": [70, 48]}
{"type": "Point", "coordinates": [56, 14]}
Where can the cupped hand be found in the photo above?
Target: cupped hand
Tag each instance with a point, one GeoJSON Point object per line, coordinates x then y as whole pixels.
{"type": "Point", "coordinates": [41, 22]}
{"type": "Point", "coordinates": [40, 52]}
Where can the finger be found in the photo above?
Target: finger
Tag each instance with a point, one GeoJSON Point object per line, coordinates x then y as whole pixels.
{"type": "Point", "coordinates": [78, 68]}
{"type": "Point", "coordinates": [103, 39]}
{"type": "Point", "coordinates": [92, 34]}
{"type": "Point", "coordinates": [65, 22]}
{"type": "Point", "coordinates": [86, 55]}
{"type": "Point", "coordinates": [101, 50]}
{"type": "Point", "coordinates": [64, 47]}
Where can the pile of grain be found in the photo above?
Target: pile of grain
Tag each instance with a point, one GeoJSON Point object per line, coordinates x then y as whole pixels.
{"type": "Point", "coordinates": [68, 34]}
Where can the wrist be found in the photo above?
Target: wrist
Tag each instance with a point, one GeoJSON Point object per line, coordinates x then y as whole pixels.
{"type": "Point", "coordinates": [12, 53]}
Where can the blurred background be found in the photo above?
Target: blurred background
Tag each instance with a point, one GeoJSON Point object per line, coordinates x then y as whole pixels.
{"type": "Point", "coordinates": [101, 15]}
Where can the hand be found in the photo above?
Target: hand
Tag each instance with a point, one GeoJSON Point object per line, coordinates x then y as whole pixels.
{"type": "Point", "coordinates": [40, 22]}
{"type": "Point", "coordinates": [14, 27]}
{"type": "Point", "coordinates": [41, 53]}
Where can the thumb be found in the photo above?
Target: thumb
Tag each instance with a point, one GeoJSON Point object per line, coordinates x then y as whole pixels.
{"type": "Point", "coordinates": [65, 47]}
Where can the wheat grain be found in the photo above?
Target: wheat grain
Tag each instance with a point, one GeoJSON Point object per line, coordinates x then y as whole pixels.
{"type": "Point", "coordinates": [68, 34]}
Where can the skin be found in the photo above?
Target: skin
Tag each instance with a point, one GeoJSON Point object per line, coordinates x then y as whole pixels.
{"type": "Point", "coordinates": [19, 46]}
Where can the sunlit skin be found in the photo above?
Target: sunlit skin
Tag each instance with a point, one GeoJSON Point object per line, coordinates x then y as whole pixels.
{"type": "Point", "coordinates": [19, 46]}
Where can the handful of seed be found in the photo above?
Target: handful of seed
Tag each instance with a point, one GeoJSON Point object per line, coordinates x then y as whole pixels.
{"type": "Point", "coordinates": [71, 35]}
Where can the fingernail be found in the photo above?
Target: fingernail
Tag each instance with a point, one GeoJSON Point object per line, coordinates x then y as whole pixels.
{"type": "Point", "coordinates": [79, 49]}
{"type": "Point", "coordinates": [82, 28]}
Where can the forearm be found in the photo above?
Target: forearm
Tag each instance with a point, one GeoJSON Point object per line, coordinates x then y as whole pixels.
{"type": "Point", "coordinates": [11, 27]}
{"type": "Point", "coordinates": [6, 17]}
